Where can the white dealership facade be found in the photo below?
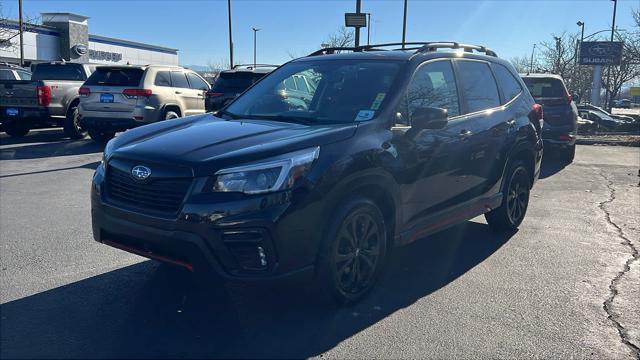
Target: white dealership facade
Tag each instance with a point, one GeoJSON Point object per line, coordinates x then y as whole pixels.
{"type": "Point", "coordinates": [65, 36]}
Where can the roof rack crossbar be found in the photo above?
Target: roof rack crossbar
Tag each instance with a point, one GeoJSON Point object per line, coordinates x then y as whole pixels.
{"type": "Point", "coordinates": [408, 46]}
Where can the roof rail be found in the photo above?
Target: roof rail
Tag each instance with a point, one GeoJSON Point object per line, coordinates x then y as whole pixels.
{"type": "Point", "coordinates": [418, 47]}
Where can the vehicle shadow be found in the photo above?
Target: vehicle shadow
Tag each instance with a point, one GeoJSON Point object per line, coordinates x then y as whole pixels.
{"type": "Point", "coordinates": [154, 311]}
{"type": "Point", "coordinates": [45, 143]}
{"type": "Point", "coordinates": [551, 165]}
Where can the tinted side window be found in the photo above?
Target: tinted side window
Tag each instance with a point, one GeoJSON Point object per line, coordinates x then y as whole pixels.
{"type": "Point", "coordinates": [509, 85]}
{"type": "Point", "coordinates": [478, 86]}
{"type": "Point", "coordinates": [6, 75]}
{"type": "Point", "coordinates": [162, 79]}
{"type": "Point", "coordinates": [196, 82]}
{"type": "Point", "coordinates": [433, 85]}
{"type": "Point", "coordinates": [179, 79]}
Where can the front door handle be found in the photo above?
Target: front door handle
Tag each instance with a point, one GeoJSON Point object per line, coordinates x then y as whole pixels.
{"type": "Point", "coordinates": [178, 92]}
{"type": "Point", "coordinates": [465, 134]}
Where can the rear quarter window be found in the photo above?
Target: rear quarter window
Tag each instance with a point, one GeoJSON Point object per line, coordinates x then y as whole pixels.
{"type": "Point", "coordinates": [71, 72]}
{"type": "Point", "coordinates": [508, 83]}
{"type": "Point", "coordinates": [115, 77]}
{"type": "Point", "coordinates": [179, 80]}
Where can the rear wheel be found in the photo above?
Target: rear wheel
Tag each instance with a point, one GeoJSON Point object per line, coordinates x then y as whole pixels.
{"type": "Point", "coordinates": [16, 129]}
{"type": "Point", "coordinates": [353, 253]}
{"type": "Point", "coordinates": [515, 200]}
{"type": "Point", "coordinates": [101, 136]}
{"type": "Point", "coordinates": [71, 125]}
{"type": "Point", "coordinates": [168, 115]}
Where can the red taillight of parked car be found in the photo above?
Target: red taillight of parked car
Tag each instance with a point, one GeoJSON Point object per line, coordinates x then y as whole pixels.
{"type": "Point", "coordinates": [569, 98]}
{"type": "Point", "coordinates": [537, 111]}
{"type": "Point", "coordinates": [44, 95]}
{"type": "Point", "coordinates": [84, 91]}
{"type": "Point", "coordinates": [135, 93]}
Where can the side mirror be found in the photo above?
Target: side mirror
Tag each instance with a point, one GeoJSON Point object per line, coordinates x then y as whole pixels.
{"type": "Point", "coordinates": [429, 118]}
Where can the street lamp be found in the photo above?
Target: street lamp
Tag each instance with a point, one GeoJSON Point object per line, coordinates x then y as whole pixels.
{"type": "Point", "coordinates": [531, 64]}
{"type": "Point", "coordinates": [579, 43]}
{"type": "Point", "coordinates": [581, 24]}
{"type": "Point", "coordinates": [255, 31]}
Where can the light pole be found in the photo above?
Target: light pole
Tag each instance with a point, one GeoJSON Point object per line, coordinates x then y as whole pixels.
{"type": "Point", "coordinates": [531, 63]}
{"type": "Point", "coordinates": [613, 29]}
{"type": "Point", "coordinates": [404, 24]}
{"type": "Point", "coordinates": [21, 28]}
{"type": "Point", "coordinates": [255, 31]}
{"type": "Point", "coordinates": [368, 28]}
{"type": "Point", "coordinates": [230, 37]}
{"type": "Point", "coordinates": [579, 43]}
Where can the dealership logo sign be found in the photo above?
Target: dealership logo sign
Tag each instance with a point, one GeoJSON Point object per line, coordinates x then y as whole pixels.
{"type": "Point", "coordinates": [104, 55]}
{"type": "Point", "coordinates": [80, 49]}
{"type": "Point", "coordinates": [600, 53]}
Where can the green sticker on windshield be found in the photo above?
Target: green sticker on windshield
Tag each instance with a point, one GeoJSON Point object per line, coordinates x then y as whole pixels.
{"type": "Point", "coordinates": [378, 101]}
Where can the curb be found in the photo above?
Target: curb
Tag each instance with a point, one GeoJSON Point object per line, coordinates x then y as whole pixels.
{"type": "Point", "coordinates": [611, 142]}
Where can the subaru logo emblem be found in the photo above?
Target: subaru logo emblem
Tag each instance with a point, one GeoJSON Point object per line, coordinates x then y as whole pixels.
{"type": "Point", "coordinates": [140, 173]}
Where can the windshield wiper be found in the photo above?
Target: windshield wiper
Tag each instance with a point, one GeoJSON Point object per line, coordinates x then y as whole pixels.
{"type": "Point", "coordinates": [295, 119]}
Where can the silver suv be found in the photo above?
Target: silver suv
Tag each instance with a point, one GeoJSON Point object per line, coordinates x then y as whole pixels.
{"type": "Point", "coordinates": [117, 98]}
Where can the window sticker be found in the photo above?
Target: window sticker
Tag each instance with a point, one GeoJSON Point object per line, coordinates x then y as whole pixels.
{"type": "Point", "coordinates": [378, 101]}
{"type": "Point", "coordinates": [364, 115]}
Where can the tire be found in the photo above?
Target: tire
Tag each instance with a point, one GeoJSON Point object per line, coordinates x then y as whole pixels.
{"type": "Point", "coordinates": [348, 266]}
{"type": "Point", "coordinates": [71, 125]}
{"type": "Point", "coordinates": [16, 129]}
{"type": "Point", "coordinates": [101, 136]}
{"type": "Point", "coordinates": [168, 115]}
{"type": "Point", "coordinates": [515, 200]}
{"type": "Point", "coordinates": [570, 154]}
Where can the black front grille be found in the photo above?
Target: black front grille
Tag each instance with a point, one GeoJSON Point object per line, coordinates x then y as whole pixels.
{"type": "Point", "coordinates": [160, 195]}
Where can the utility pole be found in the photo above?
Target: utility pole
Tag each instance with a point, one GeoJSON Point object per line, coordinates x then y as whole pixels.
{"type": "Point", "coordinates": [357, 29]}
{"type": "Point", "coordinates": [20, 31]}
{"type": "Point", "coordinates": [531, 63]}
{"type": "Point", "coordinates": [579, 43]}
{"type": "Point", "coordinates": [255, 31]}
{"type": "Point", "coordinates": [230, 37]}
{"type": "Point", "coordinates": [613, 29]}
{"type": "Point", "coordinates": [404, 24]}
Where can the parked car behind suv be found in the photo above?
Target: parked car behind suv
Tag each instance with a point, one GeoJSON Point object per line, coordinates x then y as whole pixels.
{"type": "Point", "coordinates": [49, 97]}
{"type": "Point", "coordinates": [231, 83]}
{"type": "Point", "coordinates": [560, 112]}
{"type": "Point", "coordinates": [587, 107]}
{"type": "Point", "coordinates": [117, 98]}
{"type": "Point", "coordinates": [390, 147]}
{"type": "Point", "coordinates": [13, 72]}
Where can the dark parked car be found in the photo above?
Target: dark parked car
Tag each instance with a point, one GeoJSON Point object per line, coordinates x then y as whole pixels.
{"type": "Point", "coordinates": [586, 107]}
{"type": "Point", "coordinates": [231, 83]}
{"type": "Point", "coordinates": [601, 119]}
{"type": "Point", "coordinates": [560, 112]}
{"type": "Point", "coordinates": [390, 147]}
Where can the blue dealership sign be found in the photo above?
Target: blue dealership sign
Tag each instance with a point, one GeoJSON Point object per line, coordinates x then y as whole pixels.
{"type": "Point", "coordinates": [601, 53]}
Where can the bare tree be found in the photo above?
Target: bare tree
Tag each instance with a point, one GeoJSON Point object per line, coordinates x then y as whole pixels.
{"type": "Point", "coordinates": [629, 68]}
{"type": "Point", "coordinates": [343, 37]}
{"type": "Point", "coordinates": [521, 63]}
{"type": "Point", "coordinates": [9, 35]}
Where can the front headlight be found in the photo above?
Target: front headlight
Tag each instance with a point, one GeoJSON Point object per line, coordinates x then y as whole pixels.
{"type": "Point", "coordinates": [269, 175]}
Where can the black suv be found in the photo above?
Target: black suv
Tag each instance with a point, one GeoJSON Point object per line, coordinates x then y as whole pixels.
{"type": "Point", "coordinates": [392, 146]}
{"type": "Point", "coordinates": [560, 113]}
{"type": "Point", "coordinates": [231, 83]}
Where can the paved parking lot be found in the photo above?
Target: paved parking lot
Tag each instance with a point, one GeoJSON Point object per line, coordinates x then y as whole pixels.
{"type": "Point", "coordinates": [567, 284]}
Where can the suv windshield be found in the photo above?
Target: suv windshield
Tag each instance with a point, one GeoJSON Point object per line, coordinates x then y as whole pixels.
{"type": "Point", "coordinates": [235, 82]}
{"type": "Point", "coordinates": [59, 72]}
{"type": "Point", "coordinates": [320, 91]}
{"type": "Point", "coordinates": [545, 87]}
{"type": "Point", "coordinates": [115, 77]}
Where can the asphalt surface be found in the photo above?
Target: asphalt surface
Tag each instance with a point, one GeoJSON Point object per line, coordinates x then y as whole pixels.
{"type": "Point", "coordinates": [567, 284]}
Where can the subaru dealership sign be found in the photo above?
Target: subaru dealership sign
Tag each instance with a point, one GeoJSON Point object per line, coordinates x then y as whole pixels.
{"type": "Point", "coordinates": [600, 53]}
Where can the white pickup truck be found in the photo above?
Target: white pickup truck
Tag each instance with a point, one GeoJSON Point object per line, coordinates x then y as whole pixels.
{"type": "Point", "coordinates": [49, 98]}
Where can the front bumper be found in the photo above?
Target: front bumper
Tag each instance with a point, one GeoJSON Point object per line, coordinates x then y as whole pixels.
{"type": "Point", "coordinates": [247, 238]}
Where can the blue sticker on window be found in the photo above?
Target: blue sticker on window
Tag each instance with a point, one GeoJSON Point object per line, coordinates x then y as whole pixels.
{"type": "Point", "coordinates": [364, 115]}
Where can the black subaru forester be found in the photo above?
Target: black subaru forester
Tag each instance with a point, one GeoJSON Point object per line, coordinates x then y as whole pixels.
{"type": "Point", "coordinates": [380, 149]}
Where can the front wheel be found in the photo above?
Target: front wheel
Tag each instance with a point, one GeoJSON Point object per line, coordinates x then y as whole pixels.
{"type": "Point", "coordinates": [353, 252]}
{"type": "Point", "coordinates": [515, 200]}
{"type": "Point", "coordinates": [71, 125]}
{"type": "Point", "coordinates": [570, 154]}
{"type": "Point", "coordinates": [101, 136]}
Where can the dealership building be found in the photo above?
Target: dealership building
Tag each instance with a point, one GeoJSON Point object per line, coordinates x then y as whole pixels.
{"type": "Point", "coordinates": [65, 36]}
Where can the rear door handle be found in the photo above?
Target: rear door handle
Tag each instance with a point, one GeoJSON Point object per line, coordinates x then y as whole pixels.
{"type": "Point", "coordinates": [465, 134]}
{"type": "Point", "coordinates": [178, 92]}
{"type": "Point", "coordinates": [511, 122]}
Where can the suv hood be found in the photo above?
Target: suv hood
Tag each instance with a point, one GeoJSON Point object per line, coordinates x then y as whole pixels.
{"type": "Point", "coordinates": [206, 143]}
